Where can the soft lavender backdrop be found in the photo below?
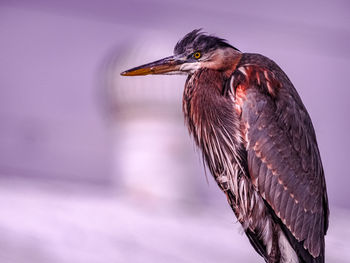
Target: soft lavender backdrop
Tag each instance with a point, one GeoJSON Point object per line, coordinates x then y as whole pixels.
{"type": "Point", "coordinates": [99, 168]}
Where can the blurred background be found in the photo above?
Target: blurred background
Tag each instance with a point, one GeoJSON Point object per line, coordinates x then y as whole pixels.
{"type": "Point", "coordinates": [99, 168]}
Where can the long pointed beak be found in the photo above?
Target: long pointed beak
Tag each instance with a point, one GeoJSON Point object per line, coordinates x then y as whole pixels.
{"type": "Point", "coordinates": [163, 66]}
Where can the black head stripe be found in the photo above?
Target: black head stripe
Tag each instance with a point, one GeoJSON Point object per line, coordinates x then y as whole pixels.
{"type": "Point", "coordinates": [199, 41]}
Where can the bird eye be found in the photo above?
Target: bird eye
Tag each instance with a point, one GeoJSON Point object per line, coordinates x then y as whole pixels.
{"type": "Point", "coordinates": [197, 55]}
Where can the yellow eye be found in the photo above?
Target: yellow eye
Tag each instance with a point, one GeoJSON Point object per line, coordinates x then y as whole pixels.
{"type": "Point", "coordinates": [197, 55]}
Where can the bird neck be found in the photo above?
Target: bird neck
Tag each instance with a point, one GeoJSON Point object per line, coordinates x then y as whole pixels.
{"type": "Point", "coordinates": [204, 103]}
{"type": "Point", "coordinates": [224, 60]}
{"type": "Point", "coordinates": [212, 122]}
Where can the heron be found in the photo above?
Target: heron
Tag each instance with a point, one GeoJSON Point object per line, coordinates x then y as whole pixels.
{"type": "Point", "coordinates": [258, 142]}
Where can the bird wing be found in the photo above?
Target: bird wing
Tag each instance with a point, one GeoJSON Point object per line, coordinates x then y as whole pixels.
{"type": "Point", "coordinates": [283, 158]}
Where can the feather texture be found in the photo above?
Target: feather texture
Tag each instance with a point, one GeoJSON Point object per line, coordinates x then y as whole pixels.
{"type": "Point", "coordinates": [284, 140]}
{"type": "Point", "coordinates": [259, 143]}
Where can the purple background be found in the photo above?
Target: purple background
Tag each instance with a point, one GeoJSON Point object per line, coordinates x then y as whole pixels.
{"type": "Point", "coordinates": [99, 168]}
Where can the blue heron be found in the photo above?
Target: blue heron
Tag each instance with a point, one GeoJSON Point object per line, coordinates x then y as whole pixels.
{"type": "Point", "coordinates": [258, 142]}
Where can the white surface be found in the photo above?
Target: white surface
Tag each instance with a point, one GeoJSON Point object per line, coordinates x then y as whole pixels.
{"type": "Point", "coordinates": [45, 223]}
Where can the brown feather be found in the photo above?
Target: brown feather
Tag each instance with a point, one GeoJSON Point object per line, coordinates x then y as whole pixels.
{"type": "Point", "coordinates": [258, 142]}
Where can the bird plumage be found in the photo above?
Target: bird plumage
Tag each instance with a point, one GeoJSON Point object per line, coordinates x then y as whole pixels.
{"type": "Point", "coordinates": [258, 142]}
{"type": "Point", "coordinates": [261, 147]}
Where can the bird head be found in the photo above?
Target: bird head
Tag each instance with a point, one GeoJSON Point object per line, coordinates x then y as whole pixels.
{"type": "Point", "coordinates": [194, 51]}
